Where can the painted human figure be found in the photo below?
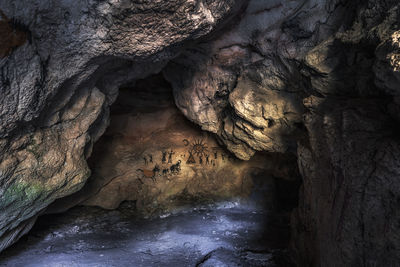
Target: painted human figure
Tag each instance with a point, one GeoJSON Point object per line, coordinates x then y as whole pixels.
{"type": "Point", "coordinates": [201, 159]}
{"type": "Point", "coordinates": [207, 159]}
{"type": "Point", "coordinates": [223, 156]}
{"type": "Point", "coordinates": [145, 160]}
{"type": "Point", "coordinates": [156, 171]}
{"type": "Point", "coordinates": [164, 157]}
{"type": "Point", "coordinates": [215, 155]}
{"type": "Point", "coordinates": [151, 158]}
{"type": "Point", "coordinates": [170, 156]}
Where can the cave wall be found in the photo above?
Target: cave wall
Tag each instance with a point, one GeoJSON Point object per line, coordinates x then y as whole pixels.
{"type": "Point", "coordinates": [57, 86]}
{"type": "Point", "coordinates": [350, 163]}
{"type": "Point", "coordinates": [152, 156]}
{"type": "Point", "coordinates": [318, 79]}
{"type": "Point", "coordinates": [247, 85]}
{"type": "Point", "coordinates": [321, 82]}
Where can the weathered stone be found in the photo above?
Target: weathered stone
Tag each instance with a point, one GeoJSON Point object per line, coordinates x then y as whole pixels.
{"type": "Point", "coordinates": [345, 73]}
{"type": "Point", "coordinates": [349, 166]}
{"type": "Point", "coordinates": [318, 79]}
{"type": "Point", "coordinates": [152, 156]}
{"type": "Point", "coordinates": [56, 88]}
{"type": "Point", "coordinates": [246, 85]}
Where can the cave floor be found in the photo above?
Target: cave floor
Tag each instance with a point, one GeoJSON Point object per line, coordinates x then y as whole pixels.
{"type": "Point", "coordinates": [225, 234]}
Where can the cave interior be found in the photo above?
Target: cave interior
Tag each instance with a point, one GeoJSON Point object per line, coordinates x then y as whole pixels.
{"type": "Point", "coordinates": [213, 208]}
{"type": "Point", "coordinates": [200, 133]}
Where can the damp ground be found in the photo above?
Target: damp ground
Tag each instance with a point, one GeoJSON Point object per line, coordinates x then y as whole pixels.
{"type": "Point", "coordinates": [225, 234]}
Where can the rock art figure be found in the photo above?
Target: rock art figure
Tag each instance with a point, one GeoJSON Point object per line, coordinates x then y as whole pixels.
{"type": "Point", "coordinates": [156, 170]}
{"type": "Point", "coordinates": [176, 168]}
{"type": "Point", "coordinates": [148, 173]}
{"type": "Point", "coordinates": [165, 171]}
{"type": "Point", "coordinates": [199, 148]}
{"type": "Point", "coordinates": [170, 154]}
{"type": "Point", "coordinates": [191, 159]}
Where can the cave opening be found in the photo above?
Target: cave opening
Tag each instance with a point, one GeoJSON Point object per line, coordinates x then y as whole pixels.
{"type": "Point", "coordinates": [164, 192]}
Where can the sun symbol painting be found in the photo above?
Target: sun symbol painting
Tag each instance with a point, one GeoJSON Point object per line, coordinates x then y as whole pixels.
{"type": "Point", "coordinates": [198, 148]}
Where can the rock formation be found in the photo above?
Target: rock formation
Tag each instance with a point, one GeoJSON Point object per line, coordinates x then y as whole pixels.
{"type": "Point", "coordinates": [331, 67]}
{"type": "Point", "coordinates": [57, 87]}
{"type": "Point", "coordinates": [315, 79]}
{"type": "Point", "coordinates": [153, 157]}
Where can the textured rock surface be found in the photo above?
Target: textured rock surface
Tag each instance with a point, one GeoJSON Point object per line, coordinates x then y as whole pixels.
{"type": "Point", "coordinates": [350, 196]}
{"type": "Point", "coordinates": [336, 63]}
{"type": "Point", "coordinates": [56, 88]}
{"type": "Point", "coordinates": [229, 234]}
{"type": "Point", "coordinates": [246, 86]}
{"type": "Point", "coordinates": [152, 156]}
{"type": "Point", "coordinates": [318, 79]}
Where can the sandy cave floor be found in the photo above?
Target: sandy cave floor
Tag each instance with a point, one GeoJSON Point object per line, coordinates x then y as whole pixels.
{"type": "Point", "coordinates": [225, 234]}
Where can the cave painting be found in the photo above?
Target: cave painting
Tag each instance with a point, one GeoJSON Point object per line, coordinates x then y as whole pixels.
{"type": "Point", "coordinates": [185, 142]}
{"type": "Point", "coordinates": [199, 149]}
{"type": "Point", "coordinates": [156, 171]}
{"type": "Point", "coordinates": [165, 171]}
{"type": "Point", "coordinates": [198, 153]}
{"type": "Point", "coordinates": [176, 168]}
{"type": "Point", "coordinates": [170, 154]}
{"type": "Point", "coordinates": [147, 174]}
{"type": "Point", "coordinates": [191, 159]}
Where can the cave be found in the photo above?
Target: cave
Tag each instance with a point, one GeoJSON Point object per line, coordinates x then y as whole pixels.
{"type": "Point", "coordinates": [163, 191]}
{"type": "Point", "coordinates": [199, 133]}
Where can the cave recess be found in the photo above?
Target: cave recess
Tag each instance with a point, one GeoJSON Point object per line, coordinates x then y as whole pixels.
{"type": "Point", "coordinates": [315, 81]}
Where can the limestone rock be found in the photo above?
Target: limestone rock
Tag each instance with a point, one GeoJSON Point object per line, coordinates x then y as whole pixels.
{"type": "Point", "coordinates": [56, 87]}
{"type": "Point", "coordinates": [349, 164]}
{"type": "Point", "coordinates": [246, 85]}
{"type": "Point", "coordinates": [331, 66]}
{"type": "Point", "coordinates": [153, 157]}
{"type": "Point", "coordinates": [318, 79]}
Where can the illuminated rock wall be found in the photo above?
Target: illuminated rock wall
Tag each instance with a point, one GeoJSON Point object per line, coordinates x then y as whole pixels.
{"type": "Point", "coordinates": [153, 156]}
